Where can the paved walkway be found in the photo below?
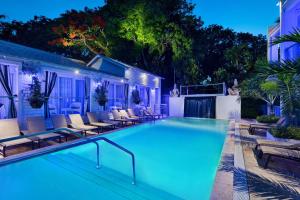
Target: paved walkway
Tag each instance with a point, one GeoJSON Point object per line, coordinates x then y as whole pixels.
{"type": "Point", "coordinates": [280, 181]}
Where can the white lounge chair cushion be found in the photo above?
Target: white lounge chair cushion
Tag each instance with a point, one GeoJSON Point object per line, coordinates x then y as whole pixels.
{"type": "Point", "coordinates": [100, 124]}
{"type": "Point", "coordinates": [83, 127]}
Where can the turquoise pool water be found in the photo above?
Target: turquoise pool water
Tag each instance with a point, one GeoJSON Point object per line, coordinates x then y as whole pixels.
{"type": "Point", "coordinates": [176, 158]}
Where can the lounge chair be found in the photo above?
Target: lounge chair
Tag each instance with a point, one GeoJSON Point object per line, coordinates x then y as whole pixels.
{"type": "Point", "coordinates": [124, 115]}
{"type": "Point", "coordinates": [151, 112]}
{"type": "Point", "coordinates": [37, 125]}
{"type": "Point", "coordinates": [147, 115]}
{"type": "Point", "coordinates": [278, 144]}
{"type": "Point", "coordinates": [118, 117]}
{"type": "Point", "coordinates": [77, 123]}
{"type": "Point", "coordinates": [94, 121]}
{"type": "Point", "coordinates": [132, 114]}
{"type": "Point", "coordinates": [253, 127]}
{"type": "Point", "coordinates": [270, 152]}
{"type": "Point", "coordinates": [10, 128]}
{"type": "Point", "coordinates": [59, 121]}
{"type": "Point", "coordinates": [107, 117]}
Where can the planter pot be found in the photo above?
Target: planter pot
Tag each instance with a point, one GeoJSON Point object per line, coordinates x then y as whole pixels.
{"type": "Point", "coordinates": [36, 103]}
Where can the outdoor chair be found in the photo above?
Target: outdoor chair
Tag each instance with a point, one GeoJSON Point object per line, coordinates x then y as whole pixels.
{"type": "Point", "coordinates": [77, 123]}
{"type": "Point", "coordinates": [92, 117]}
{"type": "Point", "coordinates": [279, 144]}
{"type": "Point", "coordinates": [284, 153]}
{"type": "Point", "coordinates": [151, 112]}
{"type": "Point", "coordinates": [118, 117]}
{"type": "Point", "coordinates": [148, 115]}
{"type": "Point", "coordinates": [59, 121]}
{"type": "Point", "coordinates": [37, 125]}
{"type": "Point", "coordinates": [256, 126]}
{"type": "Point", "coordinates": [132, 114]}
{"type": "Point", "coordinates": [124, 115]}
{"type": "Point", "coordinates": [10, 128]}
{"type": "Point", "coordinates": [107, 117]}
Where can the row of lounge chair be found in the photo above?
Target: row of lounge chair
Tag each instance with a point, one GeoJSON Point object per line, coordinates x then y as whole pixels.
{"type": "Point", "coordinates": [287, 150]}
{"type": "Point", "coordinates": [97, 123]}
{"type": "Point", "coordinates": [268, 148]}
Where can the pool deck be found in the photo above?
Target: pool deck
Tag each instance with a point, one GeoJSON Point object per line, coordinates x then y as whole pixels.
{"type": "Point", "coordinates": [281, 180]}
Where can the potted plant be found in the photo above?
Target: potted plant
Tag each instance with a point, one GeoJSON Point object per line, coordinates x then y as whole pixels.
{"type": "Point", "coordinates": [36, 97]}
{"type": "Point", "coordinates": [101, 95]}
{"type": "Point", "coordinates": [136, 99]}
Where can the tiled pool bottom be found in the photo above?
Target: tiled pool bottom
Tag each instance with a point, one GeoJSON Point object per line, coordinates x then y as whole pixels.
{"type": "Point", "coordinates": [178, 156]}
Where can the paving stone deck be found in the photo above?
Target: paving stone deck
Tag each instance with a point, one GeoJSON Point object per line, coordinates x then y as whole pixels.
{"type": "Point", "coordinates": [280, 181]}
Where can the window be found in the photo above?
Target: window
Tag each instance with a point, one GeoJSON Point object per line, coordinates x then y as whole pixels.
{"type": "Point", "coordinates": [120, 97]}
{"type": "Point", "coordinates": [65, 92]}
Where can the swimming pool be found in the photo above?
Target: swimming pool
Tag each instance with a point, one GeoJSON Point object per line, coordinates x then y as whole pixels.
{"type": "Point", "coordinates": [176, 158]}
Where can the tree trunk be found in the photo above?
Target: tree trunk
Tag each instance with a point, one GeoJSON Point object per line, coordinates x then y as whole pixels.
{"type": "Point", "coordinates": [270, 109]}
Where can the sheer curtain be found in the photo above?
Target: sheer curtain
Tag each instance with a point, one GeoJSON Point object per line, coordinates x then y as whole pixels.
{"type": "Point", "coordinates": [6, 82]}
{"type": "Point", "coordinates": [50, 81]}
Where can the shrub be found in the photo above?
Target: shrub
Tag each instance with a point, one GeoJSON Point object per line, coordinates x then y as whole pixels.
{"type": "Point", "coordinates": [286, 132]}
{"type": "Point", "coordinates": [267, 119]}
{"type": "Point", "coordinates": [251, 108]}
{"type": "Point", "coordinates": [101, 95]}
{"type": "Point", "coordinates": [136, 99]}
{"type": "Point", "coordinates": [36, 97]}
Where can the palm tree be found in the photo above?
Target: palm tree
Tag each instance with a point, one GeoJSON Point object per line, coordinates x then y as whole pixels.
{"type": "Point", "coordinates": [288, 76]}
{"type": "Point", "coordinates": [288, 80]}
{"type": "Point", "coordinates": [294, 36]}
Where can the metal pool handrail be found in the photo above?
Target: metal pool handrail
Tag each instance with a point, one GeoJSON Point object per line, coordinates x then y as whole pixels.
{"type": "Point", "coordinates": [85, 138]}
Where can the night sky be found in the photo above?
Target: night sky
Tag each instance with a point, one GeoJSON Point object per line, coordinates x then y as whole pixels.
{"type": "Point", "coordinates": [241, 15]}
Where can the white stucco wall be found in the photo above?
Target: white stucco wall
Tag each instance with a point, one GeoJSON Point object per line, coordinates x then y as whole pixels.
{"type": "Point", "coordinates": [176, 106]}
{"type": "Point", "coordinates": [227, 107]}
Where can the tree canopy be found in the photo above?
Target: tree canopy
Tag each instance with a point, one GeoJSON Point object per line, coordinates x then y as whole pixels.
{"type": "Point", "coordinates": [162, 36]}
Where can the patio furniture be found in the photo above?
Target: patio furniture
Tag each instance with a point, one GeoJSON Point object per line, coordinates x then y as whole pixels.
{"type": "Point", "coordinates": [132, 114]}
{"type": "Point", "coordinates": [150, 111]}
{"type": "Point", "coordinates": [118, 117]}
{"type": "Point", "coordinates": [77, 123]}
{"type": "Point", "coordinates": [94, 121]}
{"type": "Point", "coordinates": [253, 127]}
{"type": "Point", "coordinates": [10, 128]}
{"type": "Point", "coordinates": [278, 144]}
{"type": "Point", "coordinates": [146, 114]}
{"type": "Point", "coordinates": [75, 107]}
{"type": "Point", "coordinates": [270, 152]}
{"type": "Point", "coordinates": [37, 125]}
{"type": "Point", "coordinates": [107, 117]}
{"type": "Point", "coordinates": [59, 121]}
{"type": "Point", "coordinates": [124, 115]}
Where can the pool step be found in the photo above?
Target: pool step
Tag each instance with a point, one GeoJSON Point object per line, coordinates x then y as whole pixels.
{"type": "Point", "coordinates": [108, 178]}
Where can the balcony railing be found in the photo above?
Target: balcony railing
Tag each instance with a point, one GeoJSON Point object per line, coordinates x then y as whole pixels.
{"type": "Point", "coordinates": [209, 89]}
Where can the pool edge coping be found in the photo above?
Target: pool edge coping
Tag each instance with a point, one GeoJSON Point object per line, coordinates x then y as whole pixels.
{"type": "Point", "coordinates": [226, 180]}
{"type": "Point", "coordinates": [240, 173]}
